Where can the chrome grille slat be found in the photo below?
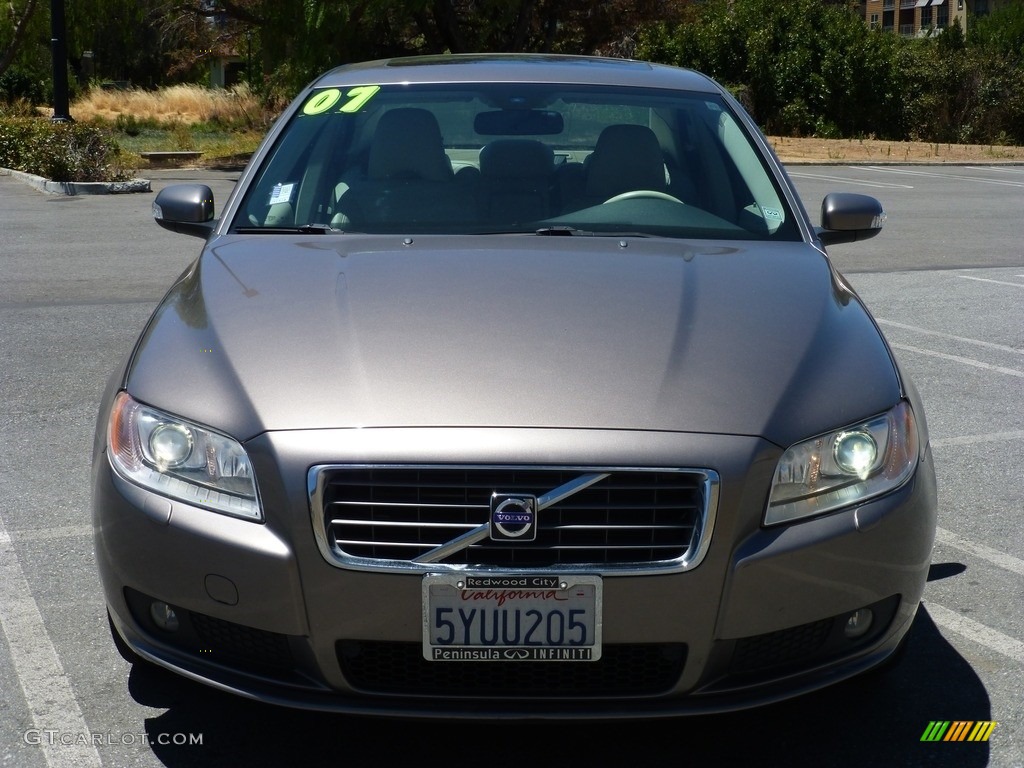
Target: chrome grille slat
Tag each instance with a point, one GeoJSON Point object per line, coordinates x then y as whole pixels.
{"type": "Point", "coordinates": [580, 547]}
{"type": "Point", "coordinates": [433, 518]}
{"type": "Point", "coordinates": [615, 527]}
{"type": "Point", "coordinates": [399, 524]}
{"type": "Point", "coordinates": [356, 542]}
{"type": "Point", "coordinates": [409, 506]}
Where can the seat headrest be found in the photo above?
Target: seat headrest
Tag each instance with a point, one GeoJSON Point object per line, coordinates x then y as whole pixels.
{"type": "Point", "coordinates": [408, 145]}
{"type": "Point", "coordinates": [626, 157]}
{"type": "Point", "coordinates": [516, 159]}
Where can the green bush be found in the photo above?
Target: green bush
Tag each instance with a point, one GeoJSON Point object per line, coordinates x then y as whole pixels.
{"type": "Point", "coordinates": [17, 84]}
{"type": "Point", "coordinates": [59, 151]}
{"type": "Point", "coordinates": [813, 68]}
{"type": "Point", "coordinates": [128, 125]}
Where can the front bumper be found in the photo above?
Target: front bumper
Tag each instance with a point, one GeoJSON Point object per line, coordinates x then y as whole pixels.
{"type": "Point", "coordinates": [267, 617]}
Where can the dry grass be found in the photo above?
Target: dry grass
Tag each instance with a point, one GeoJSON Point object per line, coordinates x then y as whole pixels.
{"type": "Point", "coordinates": [179, 107]}
{"type": "Point", "coordinates": [879, 151]}
{"type": "Point", "coordinates": [187, 104]}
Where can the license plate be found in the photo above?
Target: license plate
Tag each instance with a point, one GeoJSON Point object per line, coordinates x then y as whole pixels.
{"type": "Point", "coordinates": [511, 618]}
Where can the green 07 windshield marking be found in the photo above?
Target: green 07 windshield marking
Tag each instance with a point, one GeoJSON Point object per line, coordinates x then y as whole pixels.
{"type": "Point", "coordinates": [323, 101]}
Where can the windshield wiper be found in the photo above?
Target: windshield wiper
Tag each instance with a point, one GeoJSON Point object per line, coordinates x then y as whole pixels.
{"type": "Point", "coordinates": [305, 229]}
{"type": "Point", "coordinates": [560, 231]}
{"type": "Point", "coordinates": [564, 231]}
{"type": "Point", "coordinates": [317, 229]}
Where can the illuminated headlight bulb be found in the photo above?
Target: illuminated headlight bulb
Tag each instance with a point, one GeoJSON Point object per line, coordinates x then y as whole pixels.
{"type": "Point", "coordinates": [855, 453]}
{"type": "Point", "coordinates": [171, 445]}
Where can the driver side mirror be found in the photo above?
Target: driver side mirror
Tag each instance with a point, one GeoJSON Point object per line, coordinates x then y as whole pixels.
{"type": "Point", "coordinates": [847, 217]}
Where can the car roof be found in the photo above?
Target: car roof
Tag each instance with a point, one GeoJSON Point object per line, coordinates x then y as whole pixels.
{"type": "Point", "coordinates": [516, 68]}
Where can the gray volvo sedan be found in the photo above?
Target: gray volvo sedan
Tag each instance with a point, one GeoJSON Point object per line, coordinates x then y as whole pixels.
{"type": "Point", "coordinates": [513, 386]}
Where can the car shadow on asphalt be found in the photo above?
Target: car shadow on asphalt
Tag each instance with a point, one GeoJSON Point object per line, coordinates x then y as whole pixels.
{"type": "Point", "coordinates": [876, 719]}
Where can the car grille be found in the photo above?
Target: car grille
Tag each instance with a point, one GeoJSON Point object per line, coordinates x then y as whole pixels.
{"type": "Point", "coordinates": [217, 641]}
{"type": "Point", "coordinates": [400, 669]}
{"type": "Point", "coordinates": [240, 643]}
{"type": "Point", "coordinates": [777, 648]}
{"type": "Point", "coordinates": [807, 644]}
{"type": "Point", "coordinates": [630, 520]}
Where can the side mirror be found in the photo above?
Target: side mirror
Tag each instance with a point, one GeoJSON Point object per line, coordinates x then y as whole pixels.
{"type": "Point", "coordinates": [847, 217]}
{"type": "Point", "coordinates": [185, 208]}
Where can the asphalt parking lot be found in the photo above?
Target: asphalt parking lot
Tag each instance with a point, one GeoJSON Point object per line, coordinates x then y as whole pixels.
{"type": "Point", "coordinates": [78, 277]}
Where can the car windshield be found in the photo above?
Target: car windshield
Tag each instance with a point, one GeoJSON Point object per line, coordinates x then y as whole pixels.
{"type": "Point", "coordinates": [516, 158]}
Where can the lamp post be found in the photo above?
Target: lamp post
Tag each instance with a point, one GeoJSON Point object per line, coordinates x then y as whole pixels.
{"type": "Point", "coordinates": [59, 51]}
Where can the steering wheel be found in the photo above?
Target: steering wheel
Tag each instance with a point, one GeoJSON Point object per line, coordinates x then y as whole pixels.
{"type": "Point", "coordinates": [635, 193]}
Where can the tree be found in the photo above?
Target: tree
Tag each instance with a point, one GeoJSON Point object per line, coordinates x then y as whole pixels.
{"type": "Point", "coordinates": [800, 65]}
{"type": "Point", "coordinates": [296, 39]}
{"type": "Point", "coordinates": [1001, 32]}
{"type": "Point", "coordinates": [19, 22]}
{"type": "Point", "coordinates": [806, 67]}
{"type": "Point", "coordinates": [123, 37]}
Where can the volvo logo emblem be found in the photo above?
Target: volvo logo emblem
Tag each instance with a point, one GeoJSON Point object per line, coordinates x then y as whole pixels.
{"type": "Point", "coordinates": [513, 517]}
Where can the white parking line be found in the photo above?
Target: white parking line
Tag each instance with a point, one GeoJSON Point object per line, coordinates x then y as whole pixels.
{"type": "Point", "coordinates": [44, 683]}
{"type": "Point", "coordinates": [57, 532]}
{"type": "Point", "coordinates": [997, 168]}
{"type": "Point", "coordinates": [988, 280]}
{"type": "Point", "coordinates": [976, 631]}
{"type": "Point", "coordinates": [849, 180]}
{"type": "Point", "coordinates": [951, 337]}
{"type": "Point", "coordinates": [960, 359]}
{"type": "Point", "coordinates": [992, 437]}
{"type": "Point", "coordinates": [935, 175]}
{"type": "Point", "coordinates": [994, 556]}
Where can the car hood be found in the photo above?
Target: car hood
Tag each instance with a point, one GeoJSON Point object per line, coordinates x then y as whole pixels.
{"type": "Point", "coordinates": [275, 332]}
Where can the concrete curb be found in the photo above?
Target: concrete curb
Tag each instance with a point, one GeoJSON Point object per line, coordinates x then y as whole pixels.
{"type": "Point", "coordinates": [885, 163]}
{"type": "Point", "coordinates": [78, 187]}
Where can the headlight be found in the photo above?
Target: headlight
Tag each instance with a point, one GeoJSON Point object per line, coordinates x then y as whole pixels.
{"type": "Point", "coordinates": [844, 467]}
{"type": "Point", "coordinates": [184, 461]}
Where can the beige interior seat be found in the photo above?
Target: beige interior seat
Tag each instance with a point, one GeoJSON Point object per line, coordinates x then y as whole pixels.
{"type": "Point", "coordinates": [516, 178]}
{"type": "Point", "coordinates": [626, 158]}
{"type": "Point", "coordinates": [409, 178]}
{"type": "Point", "coordinates": [407, 145]}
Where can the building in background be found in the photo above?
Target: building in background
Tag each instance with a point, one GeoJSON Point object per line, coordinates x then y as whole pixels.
{"type": "Point", "coordinates": [921, 17]}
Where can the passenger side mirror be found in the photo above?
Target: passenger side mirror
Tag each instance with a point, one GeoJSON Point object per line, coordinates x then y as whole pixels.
{"type": "Point", "coordinates": [185, 208]}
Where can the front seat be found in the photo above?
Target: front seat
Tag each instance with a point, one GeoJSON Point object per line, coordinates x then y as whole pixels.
{"type": "Point", "coordinates": [409, 178]}
{"type": "Point", "coordinates": [407, 145]}
{"type": "Point", "coordinates": [516, 177]}
{"type": "Point", "coordinates": [626, 158]}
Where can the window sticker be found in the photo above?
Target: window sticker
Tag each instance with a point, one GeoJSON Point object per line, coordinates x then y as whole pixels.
{"type": "Point", "coordinates": [281, 193]}
{"type": "Point", "coordinates": [358, 97]}
{"type": "Point", "coordinates": [321, 102]}
{"type": "Point", "coordinates": [772, 213]}
{"type": "Point", "coordinates": [325, 100]}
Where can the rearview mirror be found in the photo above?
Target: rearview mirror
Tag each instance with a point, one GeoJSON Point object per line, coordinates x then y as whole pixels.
{"type": "Point", "coordinates": [519, 122]}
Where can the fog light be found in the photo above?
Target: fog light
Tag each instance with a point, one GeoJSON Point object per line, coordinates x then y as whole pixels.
{"type": "Point", "coordinates": [858, 623]}
{"type": "Point", "coordinates": [164, 617]}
